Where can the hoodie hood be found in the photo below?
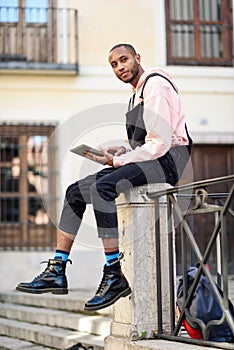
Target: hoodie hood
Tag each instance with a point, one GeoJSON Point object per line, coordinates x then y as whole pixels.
{"type": "Point", "coordinates": [150, 71]}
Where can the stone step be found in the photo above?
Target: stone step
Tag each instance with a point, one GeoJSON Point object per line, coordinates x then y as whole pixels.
{"type": "Point", "coordinates": [7, 343]}
{"type": "Point", "coordinates": [53, 337]}
{"type": "Point", "coordinates": [114, 343]}
{"type": "Point", "coordinates": [94, 324]}
{"type": "Point", "coordinates": [74, 301]}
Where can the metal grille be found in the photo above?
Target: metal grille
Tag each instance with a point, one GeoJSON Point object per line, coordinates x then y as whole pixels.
{"type": "Point", "coordinates": [27, 173]}
{"type": "Point", "coordinates": [199, 32]}
{"type": "Point", "coordinates": [218, 241]}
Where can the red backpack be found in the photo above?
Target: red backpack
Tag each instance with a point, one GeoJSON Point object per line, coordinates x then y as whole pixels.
{"type": "Point", "coordinates": [203, 309]}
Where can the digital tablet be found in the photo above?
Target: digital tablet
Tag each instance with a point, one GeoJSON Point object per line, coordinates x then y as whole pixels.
{"type": "Point", "coordinates": [85, 148]}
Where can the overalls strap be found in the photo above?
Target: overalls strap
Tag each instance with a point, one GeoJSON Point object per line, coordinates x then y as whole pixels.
{"type": "Point", "coordinates": [153, 75]}
{"type": "Point", "coordinates": [169, 81]}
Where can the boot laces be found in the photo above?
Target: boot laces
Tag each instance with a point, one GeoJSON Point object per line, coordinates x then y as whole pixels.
{"type": "Point", "coordinates": [103, 283]}
{"type": "Point", "coordinates": [48, 261]}
{"type": "Point", "coordinates": [47, 268]}
{"type": "Point", "coordinates": [41, 274]}
{"type": "Point", "coordinates": [105, 278]}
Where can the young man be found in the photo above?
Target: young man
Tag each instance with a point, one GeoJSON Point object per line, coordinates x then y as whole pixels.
{"type": "Point", "coordinates": [159, 148]}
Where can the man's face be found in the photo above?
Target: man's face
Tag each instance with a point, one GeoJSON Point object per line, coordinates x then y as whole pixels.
{"type": "Point", "coordinates": [124, 64]}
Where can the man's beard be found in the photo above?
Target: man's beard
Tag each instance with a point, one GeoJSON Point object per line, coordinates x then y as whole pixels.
{"type": "Point", "coordinates": [134, 71]}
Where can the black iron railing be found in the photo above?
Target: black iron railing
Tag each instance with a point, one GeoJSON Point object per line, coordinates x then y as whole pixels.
{"type": "Point", "coordinates": [218, 242]}
{"type": "Point", "coordinates": [38, 38]}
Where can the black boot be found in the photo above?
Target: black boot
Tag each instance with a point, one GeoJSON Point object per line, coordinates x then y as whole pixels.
{"type": "Point", "coordinates": [53, 279]}
{"type": "Point", "coordinates": [112, 287]}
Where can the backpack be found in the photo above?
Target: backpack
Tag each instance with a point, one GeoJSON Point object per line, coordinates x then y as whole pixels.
{"type": "Point", "coordinates": [203, 308]}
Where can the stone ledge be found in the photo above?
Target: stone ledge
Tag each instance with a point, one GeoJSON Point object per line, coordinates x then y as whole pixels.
{"type": "Point", "coordinates": [137, 238]}
{"type": "Point", "coordinates": [113, 343]}
{"type": "Point", "coordinates": [138, 194]}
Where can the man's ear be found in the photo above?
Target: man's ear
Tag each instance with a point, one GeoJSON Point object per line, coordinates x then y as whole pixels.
{"type": "Point", "coordinates": [138, 58]}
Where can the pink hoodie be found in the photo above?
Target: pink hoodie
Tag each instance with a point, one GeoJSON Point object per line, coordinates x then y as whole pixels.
{"type": "Point", "coordinates": [163, 117]}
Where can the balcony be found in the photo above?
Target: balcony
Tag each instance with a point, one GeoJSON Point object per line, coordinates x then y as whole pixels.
{"type": "Point", "coordinates": [37, 39]}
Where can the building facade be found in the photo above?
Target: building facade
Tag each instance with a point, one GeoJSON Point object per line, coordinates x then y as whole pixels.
{"type": "Point", "coordinates": [57, 90]}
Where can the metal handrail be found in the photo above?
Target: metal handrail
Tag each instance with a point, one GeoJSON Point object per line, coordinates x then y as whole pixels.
{"type": "Point", "coordinates": [192, 186]}
{"type": "Point", "coordinates": [201, 207]}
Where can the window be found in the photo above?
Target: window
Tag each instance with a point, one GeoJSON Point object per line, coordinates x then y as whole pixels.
{"type": "Point", "coordinates": [38, 35]}
{"type": "Point", "coordinates": [9, 11]}
{"type": "Point", "coordinates": [199, 32]}
{"type": "Point", "coordinates": [35, 11]}
{"type": "Point", "coordinates": [25, 178]}
{"type": "Point", "coordinates": [26, 29]}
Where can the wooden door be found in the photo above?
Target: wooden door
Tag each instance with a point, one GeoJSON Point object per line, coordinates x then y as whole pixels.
{"type": "Point", "coordinates": [210, 161]}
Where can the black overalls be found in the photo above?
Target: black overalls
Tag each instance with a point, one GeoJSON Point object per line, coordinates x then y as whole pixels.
{"type": "Point", "coordinates": [102, 188]}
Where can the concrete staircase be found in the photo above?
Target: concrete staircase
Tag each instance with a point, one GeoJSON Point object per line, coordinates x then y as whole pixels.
{"type": "Point", "coordinates": [36, 322]}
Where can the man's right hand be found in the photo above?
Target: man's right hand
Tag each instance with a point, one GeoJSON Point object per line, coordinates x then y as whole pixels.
{"type": "Point", "coordinates": [116, 150]}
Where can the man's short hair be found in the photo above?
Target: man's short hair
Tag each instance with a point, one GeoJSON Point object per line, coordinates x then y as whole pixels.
{"type": "Point", "coordinates": [127, 46]}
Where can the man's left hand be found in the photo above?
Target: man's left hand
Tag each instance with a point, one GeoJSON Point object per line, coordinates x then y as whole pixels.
{"type": "Point", "coordinates": [107, 157]}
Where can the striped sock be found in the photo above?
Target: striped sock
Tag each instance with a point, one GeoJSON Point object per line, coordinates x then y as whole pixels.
{"type": "Point", "coordinates": [61, 254]}
{"type": "Point", "coordinates": [112, 257]}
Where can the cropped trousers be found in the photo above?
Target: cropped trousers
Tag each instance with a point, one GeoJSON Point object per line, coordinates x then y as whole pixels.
{"type": "Point", "coordinates": [102, 188]}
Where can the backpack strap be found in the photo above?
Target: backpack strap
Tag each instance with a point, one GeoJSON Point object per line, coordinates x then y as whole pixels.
{"type": "Point", "coordinates": [154, 75]}
{"type": "Point", "coordinates": [169, 81]}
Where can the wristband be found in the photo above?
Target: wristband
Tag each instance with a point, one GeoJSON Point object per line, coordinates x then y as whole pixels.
{"type": "Point", "coordinates": [110, 162]}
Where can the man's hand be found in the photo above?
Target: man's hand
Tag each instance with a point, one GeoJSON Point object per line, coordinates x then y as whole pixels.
{"type": "Point", "coordinates": [107, 157]}
{"type": "Point", "coordinates": [116, 150]}
{"type": "Point", "coordinates": [108, 154]}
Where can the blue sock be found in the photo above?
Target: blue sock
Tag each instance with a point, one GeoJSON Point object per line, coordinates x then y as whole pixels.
{"type": "Point", "coordinates": [112, 257]}
{"type": "Point", "coordinates": [61, 254]}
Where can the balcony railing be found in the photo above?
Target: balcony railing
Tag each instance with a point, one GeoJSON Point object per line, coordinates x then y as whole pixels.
{"type": "Point", "coordinates": [39, 39]}
{"type": "Point", "coordinates": [191, 254]}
